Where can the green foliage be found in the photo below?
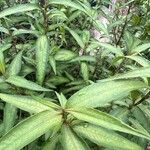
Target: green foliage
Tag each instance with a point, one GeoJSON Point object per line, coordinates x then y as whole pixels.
{"type": "Point", "coordinates": [74, 75]}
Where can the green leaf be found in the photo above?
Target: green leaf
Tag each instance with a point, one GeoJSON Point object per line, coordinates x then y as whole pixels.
{"type": "Point", "coordinates": [64, 55]}
{"type": "Point", "coordinates": [2, 62]}
{"type": "Point", "coordinates": [69, 3]}
{"type": "Point", "coordinates": [29, 129]}
{"type": "Point", "coordinates": [18, 9]}
{"type": "Point", "coordinates": [141, 72]}
{"type": "Point", "coordinates": [139, 59]}
{"type": "Point", "coordinates": [141, 48]}
{"type": "Point", "coordinates": [4, 47]}
{"type": "Point", "coordinates": [105, 120]}
{"type": "Point", "coordinates": [51, 143]}
{"type": "Point", "coordinates": [71, 141]}
{"type": "Point", "coordinates": [42, 48]}
{"type": "Point", "coordinates": [25, 103]}
{"type": "Point", "coordinates": [22, 82]}
{"type": "Point", "coordinates": [62, 99]}
{"type": "Point", "coordinates": [52, 63]}
{"type": "Point", "coordinates": [99, 94]}
{"type": "Point", "coordinates": [23, 31]}
{"type": "Point", "coordinates": [15, 66]}
{"type": "Point", "coordinates": [10, 114]}
{"type": "Point", "coordinates": [106, 138]}
{"type": "Point", "coordinates": [76, 37]}
{"type": "Point", "coordinates": [85, 71]}
{"type": "Point", "coordinates": [3, 29]}
{"type": "Point", "coordinates": [84, 58]}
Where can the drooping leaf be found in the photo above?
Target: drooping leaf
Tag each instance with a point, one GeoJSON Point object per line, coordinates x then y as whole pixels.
{"type": "Point", "coordinates": [42, 48]}
{"type": "Point", "coordinates": [71, 141]}
{"type": "Point", "coordinates": [99, 94]}
{"type": "Point", "coordinates": [25, 103]}
{"type": "Point", "coordinates": [105, 120]}
{"type": "Point", "coordinates": [18, 9]}
{"type": "Point", "coordinates": [106, 138]}
{"type": "Point", "coordinates": [22, 82]}
{"type": "Point", "coordinates": [29, 129]}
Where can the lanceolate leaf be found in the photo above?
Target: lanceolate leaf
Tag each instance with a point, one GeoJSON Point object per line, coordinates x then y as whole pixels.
{"type": "Point", "coordinates": [76, 37]}
{"type": "Point", "coordinates": [71, 141]}
{"type": "Point", "coordinates": [25, 103]}
{"type": "Point", "coordinates": [99, 94]}
{"type": "Point", "coordinates": [17, 9]}
{"type": "Point", "coordinates": [141, 48]}
{"type": "Point", "coordinates": [70, 3]}
{"type": "Point", "coordinates": [10, 113]}
{"type": "Point", "coordinates": [22, 82]}
{"type": "Point", "coordinates": [64, 55]}
{"type": "Point", "coordinates": [29, 129]}
{"type": "Point", "coordinates": [51, 143]}
{"type": "Point", "coordinates": [139, 59]}
{"type": "Point", "coordinates": [141, 72]}
{"type": "Point", "coordinates": [106, 138]}
{"type": "Point", "coordinates": [15, 65]}
{"type": "Point", "coordinates": [2, 62]}
{"type": "Point", "coordinates": [102, 119]}
{"type": "Point", "coordinates": [42, 48]}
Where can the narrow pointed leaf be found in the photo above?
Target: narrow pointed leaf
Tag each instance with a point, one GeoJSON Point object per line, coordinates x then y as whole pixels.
{"type": "Point", "coordinates": [141, 72]}
{"type": "Point", "coordinates": [64, 55]}
{"type": "Point", "coordinates": [71, 141]}
{"type": "Point", "coordinates": [2, 62]}
{"type": "Point", "coordinates": [22, 82]}
{"type": "Point", "coordinates": [105, 120]}
{"type": "Point", "coordinates": [106, 138]}
{"type": "Point", "coordinates": [15, 65]}
{"type": "Point", "coordinates": [76, 37]}
{"type": "Point", "coordinates": [10, 114]}
{"type": "Point", "coordinates": [28, 130]}
{"type": "Point", "coordinates": [25, 103]}
{"type": "Point", "coordinates": [52, 62]}
{"type": "Point", "coordinates": [141, 48]}
{"type": "Point", "coordinates": [99, 94]}
{"type": "Point", "coordinates": [17, 9]}
{"type": "Point", "coordinates": [140, 60]}
{"type": "Point", "coordinates": [42, 48]}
